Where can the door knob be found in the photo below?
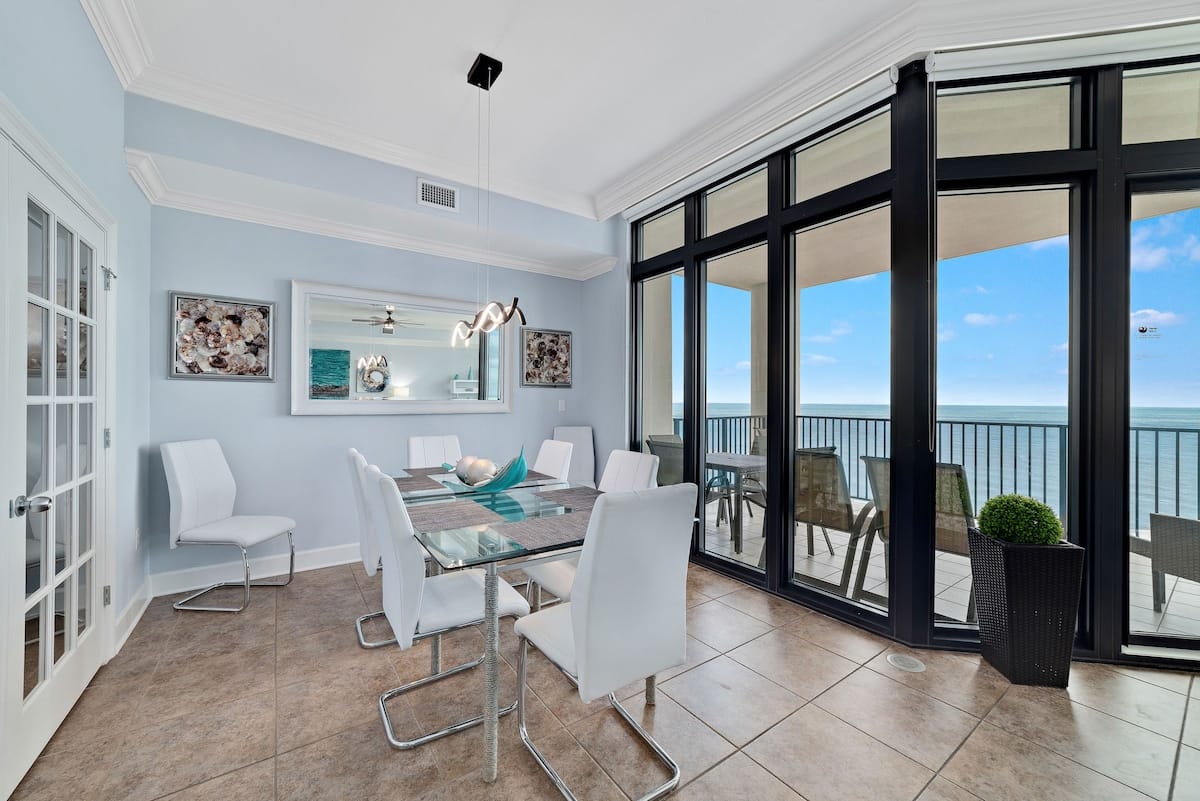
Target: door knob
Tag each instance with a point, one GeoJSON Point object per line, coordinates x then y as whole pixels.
{"type": "Point", "coordinates": [39, 503]}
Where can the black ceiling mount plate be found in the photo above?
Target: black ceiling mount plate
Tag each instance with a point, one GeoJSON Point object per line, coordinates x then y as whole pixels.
{"type": "Point", "coordinates": [478, 74]}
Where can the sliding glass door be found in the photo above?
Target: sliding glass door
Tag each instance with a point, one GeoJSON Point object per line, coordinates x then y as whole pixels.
{"type": "Point", "coordinates": [842, 368]}
{"type": "Point", "coordinates": [1164, 418]}
{"type": "Point", "coordinates": [1003, 313]}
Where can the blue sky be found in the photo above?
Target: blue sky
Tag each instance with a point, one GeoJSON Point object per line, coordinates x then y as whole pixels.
{"type": "Point", "coordinates": [1002, 327]}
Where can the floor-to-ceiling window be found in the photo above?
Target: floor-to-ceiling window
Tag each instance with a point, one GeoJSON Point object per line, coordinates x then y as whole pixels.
{"type": "Point", "coordinates": [842, 369]}
{"type": "Point", "coordinates": [979, 286]}
{"type": "Point", "coordinates": [1003, 307]}
{"type": "Point", "coordinates": [1164, 415]}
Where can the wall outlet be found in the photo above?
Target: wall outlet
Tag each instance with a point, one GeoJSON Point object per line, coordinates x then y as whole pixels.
{"type": "Point", "coordinates": [562, 405]}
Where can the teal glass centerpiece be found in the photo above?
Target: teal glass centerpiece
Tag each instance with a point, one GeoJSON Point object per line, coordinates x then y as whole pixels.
{"type": "Point", "coordinates": [508, 476]}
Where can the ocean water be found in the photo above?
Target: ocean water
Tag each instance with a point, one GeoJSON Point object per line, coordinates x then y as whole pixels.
{"type": "Point", "coordinates": [1002, 449]}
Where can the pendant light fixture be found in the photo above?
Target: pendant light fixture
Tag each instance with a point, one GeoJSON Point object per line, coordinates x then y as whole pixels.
{"type": "Point", "coordinates": [493, 314]}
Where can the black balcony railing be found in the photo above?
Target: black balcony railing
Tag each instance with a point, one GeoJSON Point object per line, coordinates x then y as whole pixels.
{"type": "Point", "coordinates": [999, 457]}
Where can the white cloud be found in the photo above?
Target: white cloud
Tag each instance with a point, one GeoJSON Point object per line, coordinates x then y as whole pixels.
{"type": "Point", "coordinates": [1144, 254]}
{"type": "Point", "coordinates": [1053, 242]}
{"type": "Point", "coordinates": [946, 334]}
{"type": "Point", "coordinates": [840, 329]}
{"type": "Point", "coordinates": [978, 319]}
{"type": "Point", "coordinates": [1191, 246]}
{"type": "Point", "coordinates": [743, 365]}
{"type": "Point", "coordinates": [816, 358]}
{"type": "Point", "coordinates": [1063, 371]}
{"type": "Point", "coordinates": [1062, 348]}
{"type": "Point", "coordinates": [1154, 317]}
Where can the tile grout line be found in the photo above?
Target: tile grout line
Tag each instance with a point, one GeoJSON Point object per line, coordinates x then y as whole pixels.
{"type": "Point", "coordinates": [1179, 745]}
{"type": "Point", "coordinates": [979, 722]}
{"type": "Point", "coordinates": [813, 702]}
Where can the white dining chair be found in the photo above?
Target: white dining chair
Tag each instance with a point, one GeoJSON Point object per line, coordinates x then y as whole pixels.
{"type": "Point", "coordinates": [554, 459]}
{"type": "Point", "coordinates": [433, 451]}
{"type": "Point", "coordinates": [203, 491]}
{"type": "Point", "coordinates": [627, 620]}
{"type": "Point", "coordinates": [583, 453]}
{"type": "Point", "coordinates": [624, 471]}
{"type": "Point", "coordinates": [420, 607]}
{"type": "Point", "coordinates": [368, 539]}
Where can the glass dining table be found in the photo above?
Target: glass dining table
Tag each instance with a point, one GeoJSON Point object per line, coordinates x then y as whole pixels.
{"type": "Point", "coordinates": [539, 520]}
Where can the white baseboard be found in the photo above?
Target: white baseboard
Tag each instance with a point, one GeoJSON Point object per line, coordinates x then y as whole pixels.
{"type": "Point", "coordinates": [132, 613]}
{"type": "Point", "coordinates": [193, 578]}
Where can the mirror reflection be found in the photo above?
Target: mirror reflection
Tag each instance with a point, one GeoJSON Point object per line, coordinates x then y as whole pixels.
{"type": "Point", "coordinates": [389, 350]}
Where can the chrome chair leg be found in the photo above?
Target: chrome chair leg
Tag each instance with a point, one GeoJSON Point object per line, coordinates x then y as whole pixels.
{"type": "Point", "coordinates": [363, 642]}
{"type": "Point", "coordinates": [658, 792]}
{"type": "Point", "coordinates": [245, 584]}
{"type": "Point", "coordinates": [404, 745]}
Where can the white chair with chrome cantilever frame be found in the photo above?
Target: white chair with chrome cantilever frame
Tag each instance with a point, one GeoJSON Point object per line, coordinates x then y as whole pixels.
{"type": "Point", "coordinates": [368, 539]}
{"type": "Point", "coordinates": [202, 492]}
{"type": "Point", "coordinates": [433, 451]}
{"type": "Point", "coordinates": [624, 471]}
{"type": "Point", "coordinates": [420, 607]}
{"type": "Point", "coordinates": [627, 618]}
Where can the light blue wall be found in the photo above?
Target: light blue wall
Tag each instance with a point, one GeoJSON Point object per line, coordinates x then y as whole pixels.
{"type": "Point", "coordinates": [174, 131]}
{"type": "Point", "coordinates": [604, 354]}
{"type": "Point", "coordinates": [53, 69]}
{"type": "Point", "coordinates": [296, 465]}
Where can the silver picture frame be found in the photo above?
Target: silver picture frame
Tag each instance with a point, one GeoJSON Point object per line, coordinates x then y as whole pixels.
{"type": "Point", "coordinates": [547, 357]}
{"type": "Point", "coordinates": [229, 351]}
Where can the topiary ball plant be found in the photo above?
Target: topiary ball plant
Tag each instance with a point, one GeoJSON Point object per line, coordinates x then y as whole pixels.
{"type": "Point", "coordinates": [1018, 519]}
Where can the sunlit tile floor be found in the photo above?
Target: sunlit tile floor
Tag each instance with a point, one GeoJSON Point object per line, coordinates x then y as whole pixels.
{"type": "Point", "coordinates": [1180, 613]}
{"type": "Point", "coordinates": [774, 702]}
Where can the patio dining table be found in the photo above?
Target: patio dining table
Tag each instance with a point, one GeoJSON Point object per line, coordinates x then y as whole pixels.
{"type": "Point", "coordinates": [739, 465]}
{"type": "Point", "coordinates": [497, 532]}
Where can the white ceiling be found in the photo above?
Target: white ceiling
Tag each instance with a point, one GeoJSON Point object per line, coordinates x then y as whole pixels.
{"type": "Point", "coordinates": [591, 96]}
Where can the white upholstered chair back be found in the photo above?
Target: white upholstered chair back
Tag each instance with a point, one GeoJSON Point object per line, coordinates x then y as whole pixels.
{"type": "Point", "coordinates": [583, 453]}
{"type": "Point", "coordinates": [433, 451]}
{"type": "Point", "coordinates": [629, 470]}
{"type": "Point", "coordinates": [403, 560]}
{"type": "Point", "coordinates": [200, 484]}
{"type": "Point", "coordinates": [628, 605]}
{"type": "Point", "coordinates": [368, 526]}
{"type": "Point", "coordinates": [554, 459]}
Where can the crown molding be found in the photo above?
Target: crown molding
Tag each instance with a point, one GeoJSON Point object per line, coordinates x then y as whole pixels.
{"type": "Point", "coordinates": [217, 192]}
{"type": "Point", "coordinates": [815, 82]}
{"type": "Point", "coordinates": [270, 115]}
{"type": "Point", "coordinates": [121, 35]}
{"type": "Point", "coordinates": [919, 28]}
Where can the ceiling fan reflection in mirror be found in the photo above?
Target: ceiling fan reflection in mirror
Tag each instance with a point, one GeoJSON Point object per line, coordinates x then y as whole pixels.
{"type": "Point", "coordinates": [388, 323]}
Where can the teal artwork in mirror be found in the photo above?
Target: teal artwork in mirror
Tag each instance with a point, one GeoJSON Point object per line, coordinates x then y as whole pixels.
{"type": "Point", "coordinates": [330, 372]}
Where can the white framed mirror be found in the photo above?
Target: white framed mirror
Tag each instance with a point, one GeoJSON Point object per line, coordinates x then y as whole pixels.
{"type": "Point", "coordinates": [369, 351]}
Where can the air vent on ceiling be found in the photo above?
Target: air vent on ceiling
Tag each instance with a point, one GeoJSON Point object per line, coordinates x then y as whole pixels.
{"type": "Point", "coordinates": [439, 196]}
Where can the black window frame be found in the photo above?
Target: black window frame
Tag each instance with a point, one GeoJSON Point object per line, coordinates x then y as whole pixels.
{"type": "Point", "coordinates": [1102, 174]}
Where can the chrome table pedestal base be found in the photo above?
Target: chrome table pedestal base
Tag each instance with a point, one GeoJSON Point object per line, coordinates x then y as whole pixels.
{"type": "Point", "coordinates": [246, 584]}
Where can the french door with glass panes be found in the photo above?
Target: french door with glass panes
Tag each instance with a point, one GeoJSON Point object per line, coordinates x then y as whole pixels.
{"type": "Point", "coordinates": [51, 466]}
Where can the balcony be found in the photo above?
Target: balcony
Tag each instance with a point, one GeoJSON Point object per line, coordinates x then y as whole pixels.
{"type": "Point", "coordinates": [997, 457]}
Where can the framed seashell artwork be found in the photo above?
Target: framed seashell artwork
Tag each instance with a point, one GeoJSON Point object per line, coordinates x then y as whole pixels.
{"type": "Point", "coordinates": [545, 358]}
{"type": "Point", "coordinates": [221, 337]}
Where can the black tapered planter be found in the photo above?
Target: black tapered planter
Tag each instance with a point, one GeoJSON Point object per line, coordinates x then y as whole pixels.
{"type": "Point", "coordinates": [1027, 601]}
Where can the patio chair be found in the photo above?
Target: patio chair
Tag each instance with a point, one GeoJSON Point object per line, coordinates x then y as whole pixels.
{"type": "Point", "coordinates": [822, 497]}
{"type": "Point", "coordinates": [1174, 550]}
{"type": "Point", "coordinates": [953, 515]}
{"type": "Point", "coordinates": [669, 450]}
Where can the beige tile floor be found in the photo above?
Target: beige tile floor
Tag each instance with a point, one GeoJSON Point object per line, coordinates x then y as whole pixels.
{"type": "Point", "coordinates": [774, 702]}
{"type": "Point", "coordinates": [1180, 615]}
